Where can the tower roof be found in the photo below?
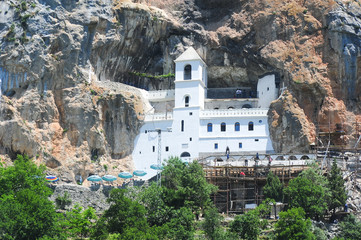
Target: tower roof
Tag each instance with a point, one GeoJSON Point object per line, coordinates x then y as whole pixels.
{"type": "Point", "coordinates": [189, 54]}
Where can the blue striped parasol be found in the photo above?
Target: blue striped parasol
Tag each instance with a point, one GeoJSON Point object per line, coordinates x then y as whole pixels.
{"type": "Point", "coordinates": [109, 178]}
{"type": "Point", "coordinates": [156, 167]}
{"type": "Point", "coordinates": [94, 178]}
{"type": "Point", "coordinates": [125, 175]}
{"type": "Point", "coordinates": [139, 173]}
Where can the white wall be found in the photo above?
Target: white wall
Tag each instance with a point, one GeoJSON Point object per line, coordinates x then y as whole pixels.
{"type": "Point", "coordinates": [267, 91]}
{"type": "Point", "coordinates": [190, 88]}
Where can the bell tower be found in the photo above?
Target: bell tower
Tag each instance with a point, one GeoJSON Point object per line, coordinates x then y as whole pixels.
{"type": "Point", "coordinates": [190, 80]}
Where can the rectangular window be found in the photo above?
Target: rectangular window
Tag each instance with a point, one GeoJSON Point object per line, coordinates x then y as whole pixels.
{"type": "Point", "coordinates": [223, 127]}
{"type": "Point", "coordinates": [240, 145]}
{"type": "Point", "coordinates": [216, 146]}
{"type": "Point", "coordinates": [256, 140]}
{"type": "Point", "coordinates": [182, 126]}
{"type": "Point", "coordinates": [190, 139]}
{"type": "Point", "coordinates": [209, 127]}
{"type": "Point", "coordinates": [167, 149]}
{"type": "Point", "coordinates": [153, 148]}
{"type": "Point", "coordinates": [190, 114]}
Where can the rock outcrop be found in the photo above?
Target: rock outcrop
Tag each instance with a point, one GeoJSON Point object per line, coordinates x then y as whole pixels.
{"type": "Point", "coordinates": [67, 69]}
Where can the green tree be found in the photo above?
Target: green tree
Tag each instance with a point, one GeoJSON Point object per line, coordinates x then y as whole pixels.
{"type": "Point", "coordinates": [181, 225]}
{"type": "Point", "coordinates": [273, 188]}
{"type": "Point", "coordinates": [122, 214]}
{"type": "Point", "coordinates": [185, 185]}
{"type": "Point", "coordinates": [25, 210]}
{"type": "Point", "coordinates": [336, 185]}
{"type": "Point", "coordinates": [79, 222]}
{"type": "Point", "coordinates": [350, 228]}
{"type": "Point", "coordinates": [247, 226]}
{"type": "Point", "coordinates": [212, 223]}
{"type": "Point", "coordinates": [293, 225]}
{"type": "Point", "coordinates": [308, 191]}
{"type": "Point", "coordinates": [158, 213]}
{"type": "Point", "coordinates": [265, 208]}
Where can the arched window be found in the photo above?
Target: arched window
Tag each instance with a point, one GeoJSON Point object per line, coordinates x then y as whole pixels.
{"type": "Point", "coordinates": [246, 106]}
{"type": "Point", "coordinates": [188, 72]}
{"type": "Point", "coordinates": [250, 126]}
{"type": "Point", "coordinates": [186, 101]}
{"type": "Point", "coordinates": [209, 127]}
{"type": "Point", "coordinates": [223, 127]}
{"type": "Point", "coordinates": [185, 154]}
{"type": "Point", "coordinates": [182, 126]}
{"type": "Point", "coordinates": [236, 127]}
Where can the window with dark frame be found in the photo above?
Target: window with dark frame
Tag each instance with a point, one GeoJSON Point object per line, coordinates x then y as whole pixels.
{"type": "Point", "coordinates": [250, 126]}
{"type": "Point", "coordinates": [223, 127]}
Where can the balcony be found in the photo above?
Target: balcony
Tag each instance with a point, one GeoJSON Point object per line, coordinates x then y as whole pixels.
{"type": "Point", "coordinates": [161, 95]}
{"type": "Point", "coordinates": [252, 112]}
{"type": "Point", "coordinates": [158, 117]}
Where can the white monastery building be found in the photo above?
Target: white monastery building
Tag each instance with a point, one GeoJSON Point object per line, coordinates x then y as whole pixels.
{"type": "Point", "coordinates": [192, 121]}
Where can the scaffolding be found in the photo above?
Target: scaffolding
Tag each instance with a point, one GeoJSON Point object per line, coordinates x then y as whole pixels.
{"type": "Point", "coordinates": [239, 186]}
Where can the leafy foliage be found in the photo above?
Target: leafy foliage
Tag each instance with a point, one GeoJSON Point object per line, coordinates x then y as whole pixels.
{"type": "Point", "coordinates": [308, 191]}
{"type": "Point", "coordinates": [122, 215]}
{"type": "Point", "coordinates": [152, 76]}
{"type": "Point", "coordinates": [336, 185]}
{"type": "Point", "coordinates": [158, 213]}
{"type": "Point", "coordinates": [185, 185]}
{"type": "Point", "coordinates": [180, 225]}
{"type": "Point", "coordinates": [292, 225]}
{"type": "Point", "coordinates": [350, 228]}
{"type": "Point", "coordinates": [63, 201]}
{"type": "Point", "coordinates": [80, 223]}
{"type": "Point", "coordinates": [247, 226]}
{"type": "Point", "coordinates": [212, 223]}
{"type": "Point", "coordinates": [273, 188]}
{"type": "Point", "coordinates": [25, 211]}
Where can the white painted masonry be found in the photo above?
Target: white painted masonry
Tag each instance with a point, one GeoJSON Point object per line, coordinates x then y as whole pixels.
{"type": "Point", "coordinates": [198, 128]}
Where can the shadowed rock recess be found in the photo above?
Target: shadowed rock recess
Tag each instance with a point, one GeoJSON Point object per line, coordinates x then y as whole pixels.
{"type": "Point", "coordinates": [72, 93]}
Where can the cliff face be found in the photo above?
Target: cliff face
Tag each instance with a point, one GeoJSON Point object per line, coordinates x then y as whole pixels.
{"type": "Point", "coordinates": [62, 66]}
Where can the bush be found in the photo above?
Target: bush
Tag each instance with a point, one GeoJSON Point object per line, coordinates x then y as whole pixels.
{"type": "Point", "coordinates": [63, 201]}
{"type": "Point", "coordinates": [350, 228]}
{"type": "Point", "coordinates": [247, 226]}
{"type": "Point", "coordinates": [293, 225]}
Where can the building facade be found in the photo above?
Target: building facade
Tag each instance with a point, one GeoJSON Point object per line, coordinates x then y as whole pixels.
{"type": "Point", "coordinates": [186, 123]}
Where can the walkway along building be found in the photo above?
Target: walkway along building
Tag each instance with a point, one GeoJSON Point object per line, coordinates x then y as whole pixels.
{"type": "Point", "coordinates": [193, 122]}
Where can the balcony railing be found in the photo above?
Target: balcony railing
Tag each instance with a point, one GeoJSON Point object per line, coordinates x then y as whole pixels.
{"type": "Point", "coordinates": [161, 94]}
{"type": "Point", "coordinates": [158, 117]}
{"type": "Point", "coordinates": [234, 112]}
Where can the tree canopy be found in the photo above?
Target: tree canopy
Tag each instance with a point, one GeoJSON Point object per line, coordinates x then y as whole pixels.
{"type": "Point", "coordinates": [308, 191]}
{"type": "Point", "coordinates": [273, 188]}
{"type": "Point", "coordinates": [293, 225]}
{"type": "Point", "coordinates": [25, 211]}
{"type": "Point", "coordinates": [185, 185]}
{"type": "Point", "coordinates": [336, 185]}
{"type": "Point", "coordinates": [247, 226]}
